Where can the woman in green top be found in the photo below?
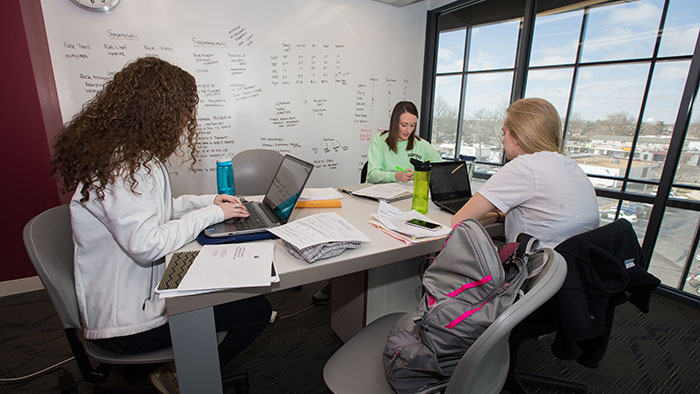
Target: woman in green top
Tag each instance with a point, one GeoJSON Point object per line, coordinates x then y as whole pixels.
{"type": "Point", "coordinates": [395, 147]}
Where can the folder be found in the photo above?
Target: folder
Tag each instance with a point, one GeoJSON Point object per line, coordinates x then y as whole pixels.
{"type": "Point", "coordinates": [320, 204]}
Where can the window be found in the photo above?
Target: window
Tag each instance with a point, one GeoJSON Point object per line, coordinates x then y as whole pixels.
{"type": "Point", "coordinates": [617, 74]}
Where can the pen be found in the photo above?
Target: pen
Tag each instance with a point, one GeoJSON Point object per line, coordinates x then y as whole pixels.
{"type": "Point", "coordinates": [403, 169]}
{"type": "Point", "coordinates": [457, 168]}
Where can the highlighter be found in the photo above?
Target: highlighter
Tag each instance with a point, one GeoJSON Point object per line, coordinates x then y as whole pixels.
{"type": "Point", "coordinates": [403, 169]}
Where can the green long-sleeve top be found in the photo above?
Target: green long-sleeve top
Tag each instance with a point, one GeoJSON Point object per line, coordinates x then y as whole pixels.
{"type": "Point", "coordinates": [382, 161]}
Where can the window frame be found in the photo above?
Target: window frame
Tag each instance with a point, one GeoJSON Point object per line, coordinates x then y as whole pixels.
{"type": "Point", "coordinates": [521, 68]}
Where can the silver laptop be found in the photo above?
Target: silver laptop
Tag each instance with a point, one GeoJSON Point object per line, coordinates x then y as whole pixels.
{"type": "Point", "coordinates": [449, 185]}
{"type": "Point", "coordinates": [277, 205]}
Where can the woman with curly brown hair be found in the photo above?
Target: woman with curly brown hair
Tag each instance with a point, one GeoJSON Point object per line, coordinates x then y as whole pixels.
{"type": "Point", "coordinates": [124, 217]}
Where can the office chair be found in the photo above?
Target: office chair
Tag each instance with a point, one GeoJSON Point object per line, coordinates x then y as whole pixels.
{"type": "Point", "coordinates": [254, 169]}
{"type": "Point", "coordinates": [363, 173]}
{"type": "Point", "coordinates": [357, 367]}
{"type": "Point", "coordinates": [48, 238]}
{"type": "Point", "coordinates": [605, 267]}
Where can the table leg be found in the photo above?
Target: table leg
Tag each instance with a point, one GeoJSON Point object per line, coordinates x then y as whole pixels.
{"type": "Point", "coordinates": [196, 354]}
{"type": "Point", "coordinates": [348, 298]}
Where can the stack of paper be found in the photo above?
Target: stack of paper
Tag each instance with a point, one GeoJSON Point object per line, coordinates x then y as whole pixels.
{"type": "Point", "coordinates": [322, 228]}
{"type": "Point", "coordinates": [392, 221]}
{"type": "Point", "coordinates": [326, 197]}
{"type": "Point", "coordinates": [217, 267]}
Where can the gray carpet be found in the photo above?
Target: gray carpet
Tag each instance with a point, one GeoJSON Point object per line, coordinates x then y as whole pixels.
{"type": "Point", "coordinates": [654, 353]}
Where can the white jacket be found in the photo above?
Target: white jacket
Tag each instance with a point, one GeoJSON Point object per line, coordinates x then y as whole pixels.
{"type": "Point", "coordinates": [119, 246]}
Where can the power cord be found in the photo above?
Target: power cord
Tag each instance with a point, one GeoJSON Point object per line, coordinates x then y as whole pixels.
{"type": "Point", "coordinates": [298, 312]}
{"type": "Point", "coordinates": [21, 378]}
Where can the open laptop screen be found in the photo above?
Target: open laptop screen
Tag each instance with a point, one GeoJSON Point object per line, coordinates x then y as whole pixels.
{"type": "Point", "coordinates": [286, 187]}
{"type": "Point", "coordinates": [449, 180]}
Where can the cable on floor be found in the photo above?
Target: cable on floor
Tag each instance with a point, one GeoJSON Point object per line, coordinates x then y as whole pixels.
{"type": "Point", "coordinates": [31, 375]}
{"type": "Point", "coordinates": [298, 312]}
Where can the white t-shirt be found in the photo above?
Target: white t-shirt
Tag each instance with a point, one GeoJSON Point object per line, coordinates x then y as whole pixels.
{"type": "Point", "coordinates": [544, 194]}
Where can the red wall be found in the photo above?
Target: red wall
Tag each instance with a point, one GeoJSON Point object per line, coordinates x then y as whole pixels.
{"type": "Point", "coordinates": [24, 154]}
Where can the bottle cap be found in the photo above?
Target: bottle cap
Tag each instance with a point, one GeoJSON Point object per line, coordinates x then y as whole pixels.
{"type": "Point", "coordinates": [225, 159]}
{"type": "Point", "coordinates": [420, 165]}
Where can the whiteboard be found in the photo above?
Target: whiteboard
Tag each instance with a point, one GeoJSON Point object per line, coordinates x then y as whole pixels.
{"type": "Point", "coordinates": [312, 78]}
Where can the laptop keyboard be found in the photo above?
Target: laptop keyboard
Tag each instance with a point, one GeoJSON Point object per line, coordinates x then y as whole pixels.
{"type": "Point", "coordinates": [251, 222]}
{"type": "Point", "coordinates": [454, 205]}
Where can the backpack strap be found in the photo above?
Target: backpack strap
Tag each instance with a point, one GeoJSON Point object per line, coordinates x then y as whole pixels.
{"type": "Point", "coordinates": [528, 245]}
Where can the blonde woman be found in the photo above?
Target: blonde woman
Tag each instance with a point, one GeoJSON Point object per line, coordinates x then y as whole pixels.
{"type": "Point", "coordinates": [539, 191]}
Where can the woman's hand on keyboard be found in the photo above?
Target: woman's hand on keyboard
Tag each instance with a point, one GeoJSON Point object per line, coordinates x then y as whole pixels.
{"type": "Point", "coordinates": [232, 206]}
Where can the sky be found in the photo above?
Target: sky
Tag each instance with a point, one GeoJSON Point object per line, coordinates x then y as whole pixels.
{"type": "Point", "coordinates": [613, 32]}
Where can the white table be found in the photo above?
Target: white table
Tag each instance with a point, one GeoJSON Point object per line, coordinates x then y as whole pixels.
{"type": "Point", "coordinates": [192, 319]}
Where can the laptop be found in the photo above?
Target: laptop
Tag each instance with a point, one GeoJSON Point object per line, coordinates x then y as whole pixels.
{"type": "Point", "coordinates": [449, 185]}
{"type": "Point", "coordinates": [277, 205]}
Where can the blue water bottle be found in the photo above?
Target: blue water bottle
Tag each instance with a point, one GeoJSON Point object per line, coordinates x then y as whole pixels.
{"type": "Point", "coordinates": [224, 176]}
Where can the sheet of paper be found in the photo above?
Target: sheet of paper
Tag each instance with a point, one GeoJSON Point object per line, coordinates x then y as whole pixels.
{"type": "Point", "coordinates": [397, 222]}
{"type": "Point", "coordinates": [387, 210]}
{"type": "Point", "coordinates": [384, 190]}
{"type": "Point", "coordinates": [230, 265]}
{"type": "Point", "coordinates": [322, 193]}
{"type": "Point", "coordinates": [274, 278]}
{"type": "Point", "coordinates": [319, 228]}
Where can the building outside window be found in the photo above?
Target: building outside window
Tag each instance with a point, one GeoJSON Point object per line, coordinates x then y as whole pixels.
{"type": "Point", "coordinates": [616, 71]}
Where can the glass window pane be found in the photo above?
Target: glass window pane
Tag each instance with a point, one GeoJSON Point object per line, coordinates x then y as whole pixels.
{"type": "Point", "coordinates": [659, 117]}
{"type": "Point", "coordinates": [633, 212]}
{"type": "Point", "coordinates": [605, 206]}
{"type": "Point", "coordinates": [551, 85]}
{"type": "Point", "coordinates": [450, 56]}
{"type": "Point", "coordinates": [487, 97]}
{"type": "Point", "coordinates": [681, 28]}
{"type": "Point", "coordinates": [604, 114]}
{"type": "Point", "coordinates": [556, 38]}
{"type": "Point", "coordinates": [493, 46]}
{"type": "Point", "coordinates": [688, 170]}
{"type": "Point", "coordinates": [692, 281]}
{"type": "Point", "coordinates": [622, 31]}
{"type": "Point", "coordinates": [445, 110]}
{"type": "Point", "coordinates": [672, 247]}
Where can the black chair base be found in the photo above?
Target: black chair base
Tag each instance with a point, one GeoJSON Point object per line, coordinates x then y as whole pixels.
{"type": "Point", "coordinates": [239, 382]}
{"type": "Point", "coordinates": [518, 380]}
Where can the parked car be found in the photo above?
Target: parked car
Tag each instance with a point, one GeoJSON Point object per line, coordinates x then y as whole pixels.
{"type": "Point", "coordinates": [694, 279]}
{"type": "Point", "coordinates": [624, 214]}
{"type": "Point", "coordinates": [641, 210]}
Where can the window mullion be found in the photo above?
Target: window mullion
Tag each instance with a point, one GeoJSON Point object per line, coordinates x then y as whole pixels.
{"type": "Point", "coordinates": [463, 92]}
{"type": "Point", "coordinates": [522, 61]}
{"type": "Point", "coordinates": [574, 77]}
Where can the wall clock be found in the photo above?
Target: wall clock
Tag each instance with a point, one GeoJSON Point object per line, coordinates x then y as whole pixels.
{"type": "Point", "coordinates": [96, 5]}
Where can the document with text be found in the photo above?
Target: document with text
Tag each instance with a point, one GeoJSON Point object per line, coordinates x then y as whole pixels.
{"type": "Point", "coordinates": [317, 229]}
{"type": "Point", "coordinates": [229, 266]}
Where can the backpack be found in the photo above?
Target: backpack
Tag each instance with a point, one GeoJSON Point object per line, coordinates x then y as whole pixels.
{"type": "Point", "coordinates": [466, 289]}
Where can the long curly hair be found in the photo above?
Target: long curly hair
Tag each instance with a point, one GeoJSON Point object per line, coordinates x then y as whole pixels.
{"type": "Point", "coordinates": [147, 112]}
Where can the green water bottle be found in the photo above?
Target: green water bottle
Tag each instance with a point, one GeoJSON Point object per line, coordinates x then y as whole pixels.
{"type": "Point", "coordinates": [421, 185]}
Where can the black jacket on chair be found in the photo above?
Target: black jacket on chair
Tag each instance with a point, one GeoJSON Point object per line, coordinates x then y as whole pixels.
{"type": "Point", "coordinates": [606, 267]}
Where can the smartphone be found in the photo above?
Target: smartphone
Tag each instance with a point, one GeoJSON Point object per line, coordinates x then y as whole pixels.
{"type": "Point", "coordinates": [423, 224]}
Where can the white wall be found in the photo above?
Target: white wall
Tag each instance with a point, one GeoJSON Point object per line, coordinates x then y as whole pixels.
{"type": "Point", "coordinates": [313, 78]}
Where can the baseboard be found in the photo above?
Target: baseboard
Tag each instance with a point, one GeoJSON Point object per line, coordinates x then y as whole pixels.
{"type": "Point", "coordinates": [17, 286]}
